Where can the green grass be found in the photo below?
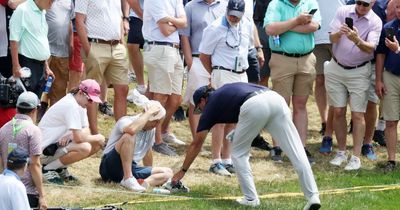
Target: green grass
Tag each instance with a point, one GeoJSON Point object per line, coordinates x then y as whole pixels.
{"type": "Point", "coordinates": [277, 184]}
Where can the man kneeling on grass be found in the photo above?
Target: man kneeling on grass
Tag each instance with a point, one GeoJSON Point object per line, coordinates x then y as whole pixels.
{"type": "Point", "coordinates": [66, 135]}
{"type": "Point", "coordinates": [130, 142]}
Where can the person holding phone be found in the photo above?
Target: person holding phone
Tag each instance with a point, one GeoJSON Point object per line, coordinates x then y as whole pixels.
{"type": "Point", "coordinates": [348, 73]}
{"type": "Point", "coordinates": [387, 83]}
{"type": "Point", "coordinates": [291, 29]}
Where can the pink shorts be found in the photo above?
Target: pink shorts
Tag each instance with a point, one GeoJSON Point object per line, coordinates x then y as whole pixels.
{"type": "Point", "coordinates": [75, 63]}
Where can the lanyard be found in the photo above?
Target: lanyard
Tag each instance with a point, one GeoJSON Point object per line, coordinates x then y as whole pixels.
{"type": "Point", "coordinates": [16, 128]}
{"type": "Point", "coordinates": [238, 40]}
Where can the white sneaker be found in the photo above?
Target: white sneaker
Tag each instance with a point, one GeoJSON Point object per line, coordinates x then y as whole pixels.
{"type": "Point", "coordinates": [141, 89]}
{"type": "Point", "coordinates": [354, 164]}
{"type": "Point", "coordinates": [313, 204]}
{"type": "Point", "coordinates": [171, 138]}
{"type": "Point", "coordinates": [245, 202]}
{"type": "Point", "coordinates": [135, 97]}
{"type": "Point", "coordinates": [132, 184]}
{"type": "Point", "coordinates": [339, 159]}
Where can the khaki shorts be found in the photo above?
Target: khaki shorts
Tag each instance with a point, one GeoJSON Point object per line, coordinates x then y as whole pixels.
{"type": "Point", "coordinates": [292, 76]}
{"type": "Point", "coordinates": [60, 67]}
{"type": "Point", "coordinates": [371, 91]}
{"type": "Point", "coordinates": [342, 83]}
{"type": "Point", "coordinates": [221, 77]}
{"type": "Point", "coordinates": [197, 76]}
{"type": "Point", "coordinates": [323, 52]}
{"type": "Point", "coordinates": [164, 68]}
{"type": "Point", "coordinates": [106, 62]}
{"type": "Point", "coordinates": [391, 101]}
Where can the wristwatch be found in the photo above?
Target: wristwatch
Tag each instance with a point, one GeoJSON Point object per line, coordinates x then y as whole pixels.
{"type": "Point", "coordinates": [259, 47]}
{"type": "Point", "coordinates": [126, 18]}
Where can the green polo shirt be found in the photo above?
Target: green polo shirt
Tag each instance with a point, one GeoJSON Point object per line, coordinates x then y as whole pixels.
{"type": "Point", "coordinates": [291, 42]}
{"type": "Point", "coordinates": [29, 28]}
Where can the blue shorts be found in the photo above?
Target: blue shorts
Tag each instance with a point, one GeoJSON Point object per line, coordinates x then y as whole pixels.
{"type": "Point", "coordinates": [135, 35]}
{"type": "Point", "coordinates": [111, 168]}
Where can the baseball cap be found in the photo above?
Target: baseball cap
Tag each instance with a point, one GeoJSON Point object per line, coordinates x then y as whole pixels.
{"type": "Point", "coordinates": [92, 89]}
{"type": "Point", "coordinates": [367, 1]}
{"type": "Point", "coordinates": [236, 8]}
{"type": "Point", "coordinates": [18, 156]}
{"type": "Point", "coordinates": [28, 100]}
{"type": "Point", "coordinates": [201, 92]}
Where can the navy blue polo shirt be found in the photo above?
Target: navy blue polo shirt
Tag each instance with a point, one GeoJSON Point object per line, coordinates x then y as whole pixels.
{"type": "Point", "coordinates": [223, 105]}
{"type": "Point", "coordinates": [392, 60]}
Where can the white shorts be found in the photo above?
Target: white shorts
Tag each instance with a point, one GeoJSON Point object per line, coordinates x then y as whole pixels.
{"type": "Point", "coordinates": [197, 76]}
{"type": "Point", "coordinates": [221, 77]}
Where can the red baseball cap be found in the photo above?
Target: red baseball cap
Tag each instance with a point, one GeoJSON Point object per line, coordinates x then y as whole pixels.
{"type": "Point", "coordinates": [92, 89]}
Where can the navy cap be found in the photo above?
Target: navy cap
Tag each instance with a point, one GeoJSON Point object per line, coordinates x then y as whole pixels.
{"type": "Point", "coordinates": [236, 8]}
{"type": "Point", "coordinates": [18, 156]}
{"type": "Point", "coordinates": [201, 92]}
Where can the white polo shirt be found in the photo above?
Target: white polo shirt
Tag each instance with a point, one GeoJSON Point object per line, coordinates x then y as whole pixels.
{"type": "Point", "coordinates": [13, 193]}
{"type": "Point", "coordinates": [220, 42]}
{"type": "Point", "coordinates": [327, 10]}
{"type": "Point", "coordinates": [155, 10]}
{"type": "Point", "coordinates": [103, 18]}
{"type": "Point", "coordinates": [133, 13]}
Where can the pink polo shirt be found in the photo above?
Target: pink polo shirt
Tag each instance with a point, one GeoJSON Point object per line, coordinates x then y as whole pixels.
{"type": "Point", "coordinates": [369, 29]}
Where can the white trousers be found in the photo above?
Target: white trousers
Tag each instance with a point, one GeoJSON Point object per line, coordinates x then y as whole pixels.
{"type": "Point", "coordinates": [269, 111]}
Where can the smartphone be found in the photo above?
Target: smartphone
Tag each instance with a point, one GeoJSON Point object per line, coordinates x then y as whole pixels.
{"type": "Point", "coordinates": [312, 11]}
{"type": "Point", "coordinates": [349, 22]}
{"type": "Point", "coordinates": [390, 33]}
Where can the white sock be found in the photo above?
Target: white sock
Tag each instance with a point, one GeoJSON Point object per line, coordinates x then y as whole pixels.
{"type": "Point", "coordinates": [227, 161]}
{"type": "Point", "coordinates": [341, 152]}
{"type": "Point", "coordinates": [217, 161]}
{"type": "Point", "coordinates": [381, 125]}
{"type": "Point", "coordinates": [54, 165]}
{"type": "Point", "coordinates": [141, 86]}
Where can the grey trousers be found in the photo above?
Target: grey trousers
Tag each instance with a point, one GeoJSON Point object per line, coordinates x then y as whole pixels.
{"type": "Point", "coordinates": [269, 111]}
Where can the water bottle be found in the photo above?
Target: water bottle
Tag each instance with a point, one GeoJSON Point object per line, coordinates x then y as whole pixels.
{"type": "Point", "coordinates": [161, 191]}
{"type": "Point", "coordinates": [276, 40]}
{"type": "Point", "coordinates": [25, 72]}
{"type": "Point", "coordinates": [48, 84]}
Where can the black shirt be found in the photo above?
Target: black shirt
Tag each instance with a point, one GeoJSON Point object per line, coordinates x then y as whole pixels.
{"type": "Point", "coordinates": [223, 105]}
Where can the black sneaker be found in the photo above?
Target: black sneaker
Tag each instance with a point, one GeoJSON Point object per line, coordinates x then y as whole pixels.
{"type": "Point", "coordinates": [106, 109]}
{"type": "Point", "coordinates": [311, 159]}
{"type": "Point", "coordinates": [51, 176]}
{"type": "Point", "coordinates": [379, 137]}
{"type": "Point", "coordinates": [65, 175]}
{"type": "Point", "coordinates": [230, 168]}
{"type": "Point", "coordinates": [179, 114]}
{"type": "Point", "coordinates": [276, 154]}
{"type": "Point", "coordinates": [389, 167]}
{"type": "Point", "coordinates": [323, 128]}
{"type": "Point", "coordinates": [260, 143]}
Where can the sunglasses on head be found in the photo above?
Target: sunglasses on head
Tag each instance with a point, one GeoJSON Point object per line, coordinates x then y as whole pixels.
{"type": "Point", "coordinates": [364, 4]}
{"type": "Point", "coordinates": [87, 97]}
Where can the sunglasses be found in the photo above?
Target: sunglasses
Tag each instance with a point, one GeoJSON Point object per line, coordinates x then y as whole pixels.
{"type": "Point", "coordinates": [364, 4]}
{"type": "Point", "coordinates": [87, 97]}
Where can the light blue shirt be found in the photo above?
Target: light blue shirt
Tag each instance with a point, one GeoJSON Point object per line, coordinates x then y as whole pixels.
{"type": "Point", "coordinates": [225, 43]}
{"type": "Point", "coordinates": [199, 15]}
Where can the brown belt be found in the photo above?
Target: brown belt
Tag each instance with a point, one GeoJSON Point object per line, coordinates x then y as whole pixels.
{"type": "Point", "coordinates": [101, 41]}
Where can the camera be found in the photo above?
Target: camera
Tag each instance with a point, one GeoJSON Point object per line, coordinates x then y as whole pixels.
{"type": "Point", "coordinates": [9, 92]}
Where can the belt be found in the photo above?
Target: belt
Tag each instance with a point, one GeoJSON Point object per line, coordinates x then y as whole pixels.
{"type": "Point", "coordinates": [350, 67]}
{"type": "Point", "coordinates": [295, 55]}
{"type": "Point", "coordinates": [32, 60]}
{"type": "Point", "coordinates": [195, 55]}
{"type": "Point", "coordinates": [101, 41]}
{"type": "Point", "coordinates": [258, 92]}
{"type": "Point", "coordinates": [164, 43]}
{"type": "Point", "coordinates": [226, 69]}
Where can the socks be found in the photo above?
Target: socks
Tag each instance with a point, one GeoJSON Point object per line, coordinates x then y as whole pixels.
{"type": "Point", "coordinates": [380, 126]}
{"type": "Point", "coordinates": [341, 152]}
{"type": "Point", "coordinates": [215, 161]}
{"type": "Point", "coordinates": [227, 161]}
{"type": "Point", "coordinates": [54, 165]}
